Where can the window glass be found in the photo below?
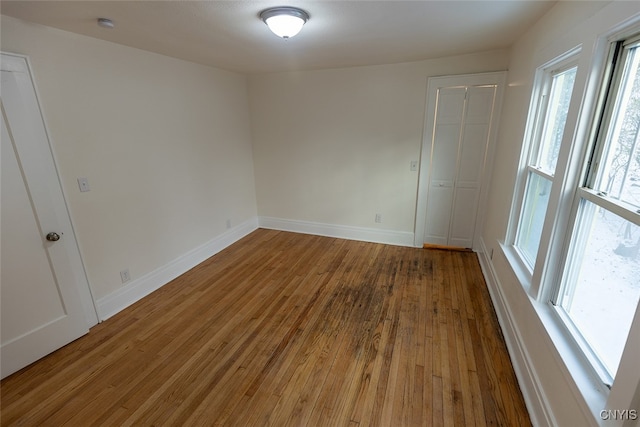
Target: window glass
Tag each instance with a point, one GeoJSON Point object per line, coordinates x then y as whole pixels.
{"type": "Point", "coordinates": [535, 206]}
{"type": "Point", "coordinates": [620, 176]}
{"type": "Point", "coordinates": [604, 286]}
{"type": "Point", "coordinates": [556, 86]}
{"type": "Point", "coordinates": [556, 118]}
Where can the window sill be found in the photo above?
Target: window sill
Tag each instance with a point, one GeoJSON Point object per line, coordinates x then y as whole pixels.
{"type": "Point", "coordinates": [518, 266]}
{"type": "Point", "coordinates": [589, 390]}
{"type": "Point", "coordinates": [579, 371]}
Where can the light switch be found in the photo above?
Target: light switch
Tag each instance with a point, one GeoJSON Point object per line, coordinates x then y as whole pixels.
{"type": "Point", "coordinates": [413, 166]}
{"type": "Point", "coordinates": [83, 183]}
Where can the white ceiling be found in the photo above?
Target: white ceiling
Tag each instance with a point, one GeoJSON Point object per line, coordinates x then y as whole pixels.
{"type": "Point", "coordinates": [229, 34]}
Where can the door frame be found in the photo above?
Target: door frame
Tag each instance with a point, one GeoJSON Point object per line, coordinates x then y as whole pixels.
{"type": "Point", "coordinates": [433, 85]}
{"type": "Point", "coordinates": [44, 148]}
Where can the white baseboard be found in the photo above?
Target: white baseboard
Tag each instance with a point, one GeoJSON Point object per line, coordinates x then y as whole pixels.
{"type": "Point", "coordinates": [389, 237]}
{"type": "Point", "coordinates": [143, 286]}
{"type": "Point", "coordinates": [534, 396]}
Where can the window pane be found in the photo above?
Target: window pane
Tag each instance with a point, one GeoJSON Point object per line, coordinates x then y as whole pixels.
{"type": "Point", "coordinates": [556, 118]}
{"type": "Point", "coordinates": [620, 177]}
{"type": "Point", "coordinates": [601, 294]}
{"type": "Point", "coordinates": [535, 206]}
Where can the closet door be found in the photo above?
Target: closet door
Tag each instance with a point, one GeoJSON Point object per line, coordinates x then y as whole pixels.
{"type": "Point", "coordinates": [472, 153]}
{"type": "Point", "coordinates": [456, 153]}
{"type": "Point", "coordinates": [444, 161]}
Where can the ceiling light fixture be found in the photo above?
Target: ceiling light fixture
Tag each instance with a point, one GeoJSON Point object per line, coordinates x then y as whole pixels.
{"type": "Point", "coordinates": [284, 21]}
{"type": "Point", "coordinates": [105, 23]}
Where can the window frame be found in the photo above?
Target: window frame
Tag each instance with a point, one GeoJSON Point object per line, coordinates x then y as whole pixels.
{"type": "Point", "coordinates": [530, 275]}
{"type": "Point", "coordinates": [593, 70]}
{"type": "Point", "coordinates": [591, 161]}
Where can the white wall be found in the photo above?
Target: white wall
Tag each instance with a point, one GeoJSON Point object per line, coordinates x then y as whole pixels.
{"type": "Point", "coordinates": [564, 392]}
{"type": "Point", "coordinates": [164, 143]}
{"type": "Point", "coordinates": [334, 146]}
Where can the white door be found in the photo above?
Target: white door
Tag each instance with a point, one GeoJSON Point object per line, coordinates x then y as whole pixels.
{"type": "Point", "coordinates": [43, 291]}
{"type": "Point", "coordinates": [461, 112]}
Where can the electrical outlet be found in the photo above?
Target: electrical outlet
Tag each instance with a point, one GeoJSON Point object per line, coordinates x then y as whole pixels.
{"type": "Point", "coordinates": [228, 224]}
{"type": "Point", "coordinates": [378, 218]}
{"type": "Point", "coordinates": [83, 183]}
{"type": "Point", "coordinates": [125, 276]}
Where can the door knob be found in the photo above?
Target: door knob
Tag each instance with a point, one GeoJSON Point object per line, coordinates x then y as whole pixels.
{"type": "Point", "coordinates": [53, 237]}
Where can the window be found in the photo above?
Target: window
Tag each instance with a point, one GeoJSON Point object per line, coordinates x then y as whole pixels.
{"type": "Point", "coordinates": [600, 286]}
{"type": "Point", "coordinates": [576, 213]}
{"type": "Point", "coordinates": [548, 116]}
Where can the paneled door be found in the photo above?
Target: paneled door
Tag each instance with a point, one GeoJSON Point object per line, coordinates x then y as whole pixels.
{"type": "Point", "coordinates": [460, 124]}
{"type": "Point", "coordinates": [45, 300]}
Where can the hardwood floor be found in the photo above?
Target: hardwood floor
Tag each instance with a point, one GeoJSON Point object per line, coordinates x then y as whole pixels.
{"type": "Point", "coordinates": [288, 329]}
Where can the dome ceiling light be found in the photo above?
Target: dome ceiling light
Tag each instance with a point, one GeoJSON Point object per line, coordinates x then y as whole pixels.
{"type": "Point", "coordinates": [105, 23]}
{"type": "Point", "coordinates": [284, 21]}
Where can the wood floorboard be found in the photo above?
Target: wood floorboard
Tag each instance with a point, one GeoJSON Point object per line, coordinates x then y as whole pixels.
{"type": "Point", "coordinates": [286, 329]}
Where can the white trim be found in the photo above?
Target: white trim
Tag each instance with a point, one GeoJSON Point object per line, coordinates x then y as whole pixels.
{"type": "Point", "coordinates": [530, 385]}
{"type": "Point", "coordinates": [143, 286]}
{"type": "Point", "coordinates": [621, 208]}
{"type": "Point", "coordinates": [389, 237]}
